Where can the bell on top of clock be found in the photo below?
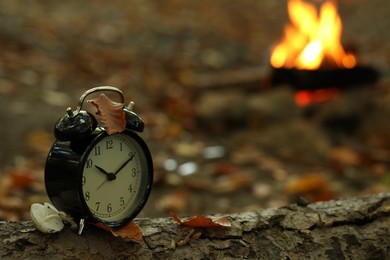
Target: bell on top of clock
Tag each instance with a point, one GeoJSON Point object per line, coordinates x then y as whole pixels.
{"type": "Point", "coordinates": [73, 126]}
{"type": "Point", "coordinates": [79, 124]}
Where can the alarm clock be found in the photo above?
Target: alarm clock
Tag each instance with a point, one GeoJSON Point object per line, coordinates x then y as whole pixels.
{"type": "Point", "coordinates": [96, 176]}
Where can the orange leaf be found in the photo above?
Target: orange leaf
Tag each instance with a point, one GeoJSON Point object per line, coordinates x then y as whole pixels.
{"type": "Point", "coordinates": [307, 183]}
{"type": "Point", "coordinates": [131, 231]}
{"type": "Point", "coordinates": [314, 186]}
{"type": "Point", "coordinates": [21, 178]}
{"type": "Point", "coordinates": [110, 113]}
{"type": "Point", "coordinates": [200, 221]}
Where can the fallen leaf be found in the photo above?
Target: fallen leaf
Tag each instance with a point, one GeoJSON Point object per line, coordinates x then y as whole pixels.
{"type": "Point", "coordinates": [130, 231]}
{"type": "Point", "coordinates": [225, 169]}
{"type": "Point", "coordinates": [176, 201]}
{"type": "Point", "coordinates": [232, 182]}
{"type": "Point", "coordinates": [200, 221]}
{"type": "Point", "coordinates": [21, 178]}
{"type": "Point", "coordinates": [314, 186]}
{"type": "Point", "coordinates": [307, 183]}
{"type": "Point", "coordinates": [342, 157]}
{"type": "Point", "coordinates": [110, 113]}
{"type": "Point", "coordinates": [223, 184]}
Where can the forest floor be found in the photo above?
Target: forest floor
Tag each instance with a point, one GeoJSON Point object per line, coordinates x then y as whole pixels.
{"type": "Point", "coordinates": [217, 148]}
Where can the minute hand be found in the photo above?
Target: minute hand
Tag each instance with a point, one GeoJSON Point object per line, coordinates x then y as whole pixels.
{"type": "Point", "coordinates": [124, 164]}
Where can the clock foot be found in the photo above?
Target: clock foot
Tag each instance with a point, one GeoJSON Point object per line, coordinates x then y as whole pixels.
{"type": "Point", "coordinates": [81, 226]}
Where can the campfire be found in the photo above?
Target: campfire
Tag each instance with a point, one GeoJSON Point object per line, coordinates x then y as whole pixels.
{"type": "Point", "coordinates": [310, 55]}
{"type": "Point", "coordinates": [312, 40]}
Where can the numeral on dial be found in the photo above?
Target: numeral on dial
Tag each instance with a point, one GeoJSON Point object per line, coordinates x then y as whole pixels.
{"type": "Point", "coordinates": [87, 197]}
{"type": "Point", "coordinates": [97, 150]}
{"type": "Point", "coordinates": [97, 205]}
{"type": "Point", "coordinates": [89, 163]}
{"type": "Point", "coordinates": [109, 144]}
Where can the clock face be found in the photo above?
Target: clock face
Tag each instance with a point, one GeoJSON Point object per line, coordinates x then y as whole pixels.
{"type": "Point", "coordinates": [115, 179]}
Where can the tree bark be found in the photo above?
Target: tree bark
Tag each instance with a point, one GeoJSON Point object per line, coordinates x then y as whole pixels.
{"type": "Point", "coordinates": [353, 228]}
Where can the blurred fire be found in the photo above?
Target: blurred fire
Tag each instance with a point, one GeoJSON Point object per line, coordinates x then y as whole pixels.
{"type": "Point", "coordinates": [312, 40]}
{"type": "Point", "coordinates": [306, 97]}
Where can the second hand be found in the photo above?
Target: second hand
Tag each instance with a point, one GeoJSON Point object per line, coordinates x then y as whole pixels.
{"type": "Point", "coordinates": [101, 184]}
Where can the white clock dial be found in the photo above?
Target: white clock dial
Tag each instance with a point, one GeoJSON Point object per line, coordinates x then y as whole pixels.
{"type": "Point", "coordinates": [112, 179]}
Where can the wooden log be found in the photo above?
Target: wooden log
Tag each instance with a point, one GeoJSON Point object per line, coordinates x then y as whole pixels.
{"type": "Point", "coordinates": [264, 77]}
{"type": "Point", "coordinates": [352, 228]}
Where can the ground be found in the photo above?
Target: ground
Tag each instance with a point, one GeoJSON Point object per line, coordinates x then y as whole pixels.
{"type": "Point", "coordinates": [224, 149]}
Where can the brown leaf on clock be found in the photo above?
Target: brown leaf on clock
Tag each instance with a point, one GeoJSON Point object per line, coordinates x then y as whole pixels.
{"type": "Point", "coordinates": [130, 231]}
{"type": "Point", "coordinates": [200, 221]}
{"type": "Point", "coordinates": [110, 113]}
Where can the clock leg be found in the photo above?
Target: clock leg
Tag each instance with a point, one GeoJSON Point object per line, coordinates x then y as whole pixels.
{"type": "Point", "coordinates": [81, 226]}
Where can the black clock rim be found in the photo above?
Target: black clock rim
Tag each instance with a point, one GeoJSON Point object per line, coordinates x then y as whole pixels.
{"type": "Point", "coordinates": [149, 181]}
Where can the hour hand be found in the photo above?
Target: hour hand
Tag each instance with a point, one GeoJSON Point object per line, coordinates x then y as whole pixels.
{"type": "Point", "coordinates": [110, 176]}
{"type": "Point", "coordinates": [102, 170]}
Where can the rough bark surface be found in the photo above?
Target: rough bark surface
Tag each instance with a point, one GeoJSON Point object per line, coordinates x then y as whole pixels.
{"type": "Point", "coordinates": [353, 228]}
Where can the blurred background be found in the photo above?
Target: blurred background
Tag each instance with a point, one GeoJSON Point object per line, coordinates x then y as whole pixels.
{"type": "Point", "coordinates": [223, 138]}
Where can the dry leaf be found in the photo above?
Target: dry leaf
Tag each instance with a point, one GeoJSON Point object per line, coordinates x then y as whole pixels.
{"type": "Point", "coordinates": [314, 186]}
{"type": "Point", "coordinates": [233, 182]}
{"type": "Point", "coordinates": [223, 184]}
{"type": "Point", "coordinates": [200, 221]}
{"type": "Point", "coordinates": [21, 178]}
{"type": "Point", "coordinates": [307, 183]}
{"type": "Point", "coordinates": [110, 114]}
{"type": "Point", "coordinates": [222, 169]}
{"type": "Point", "coordinates": [130, 231]}
{"type": "Point", "coordinates": [344, 156]}
{"type": "Point", "coordinates": [176, 201]}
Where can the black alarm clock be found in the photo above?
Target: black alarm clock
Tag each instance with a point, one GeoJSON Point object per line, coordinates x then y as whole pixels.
{"type": "Point", "coordinates": [95, 176]}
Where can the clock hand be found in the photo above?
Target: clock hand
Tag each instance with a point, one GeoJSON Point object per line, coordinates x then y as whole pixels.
{"type": "Point", "coordinates": [102, 184]}
{"type": "Point", "coordinates": [110, 176]}
{"type": "Point", "coordinates": [102, 170]}
{"type": "Point", "coordinates": [124, 164]}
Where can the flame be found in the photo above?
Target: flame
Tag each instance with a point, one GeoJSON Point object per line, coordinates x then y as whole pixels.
{"type": "Point", "coordinates": [312, 38]}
